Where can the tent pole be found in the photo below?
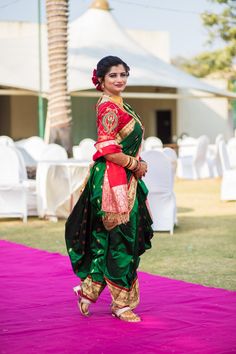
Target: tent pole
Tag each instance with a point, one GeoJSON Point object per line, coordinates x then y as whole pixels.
{"type": "Point", "coordinates": [40, 97]}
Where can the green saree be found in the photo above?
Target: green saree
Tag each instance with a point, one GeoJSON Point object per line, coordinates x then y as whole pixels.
{"type": "Point", "coordinates": [103, 249]}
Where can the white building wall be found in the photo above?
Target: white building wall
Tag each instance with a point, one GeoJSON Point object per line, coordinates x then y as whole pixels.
{"type": "Point", "coordinates": [18, 29]}
{"type": "Point", "coordinates": [208, 116]}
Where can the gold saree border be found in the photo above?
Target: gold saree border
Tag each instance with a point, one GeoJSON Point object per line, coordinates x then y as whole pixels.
{"type": "Point", "coordinates": [122, 297]}
{"type": "Point", "coordinates": [125, 131]}
{"type": "Point", "coordinates": [91, 289]}
{"type": "Point", "coordinates": [101, 144]}
{"type": "Point", "coordinates": [111, 220]}
{"type": "Point", "coordinates": [114, 199]}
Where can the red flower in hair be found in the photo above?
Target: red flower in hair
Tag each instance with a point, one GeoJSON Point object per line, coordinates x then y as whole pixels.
{"type": "Point", "coordinates": [96, 81]}
{"type": "Point", "coordinates": [94, 78]}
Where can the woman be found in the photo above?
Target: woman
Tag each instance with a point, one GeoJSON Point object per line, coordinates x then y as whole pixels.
{"type": "Point", "coordinates": [110, 226]}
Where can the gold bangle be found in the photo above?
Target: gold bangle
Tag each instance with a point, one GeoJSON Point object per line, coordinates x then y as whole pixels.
{"type": "Point", "coordinates": [131, 167]}
{"type": "Point", "coordinates": [129, 162]}
{"type": "Point", "coordinates": [134, 164]}
{"type": "Point", "coordinates": [137, 167]}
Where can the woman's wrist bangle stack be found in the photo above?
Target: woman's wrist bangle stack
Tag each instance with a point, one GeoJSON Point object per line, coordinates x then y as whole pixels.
{"type": "Point", "coordinates": [129, 163]}
{"type": "Point", "coordinates": [133, 164]}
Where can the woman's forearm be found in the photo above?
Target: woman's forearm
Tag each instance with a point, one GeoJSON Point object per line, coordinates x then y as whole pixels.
{"type": "Point", "coordinates": [119, 158]}
{"type": "Point", "coordinates": [139, 168]}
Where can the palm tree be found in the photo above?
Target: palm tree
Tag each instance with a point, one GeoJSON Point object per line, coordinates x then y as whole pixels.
{"type": "Point", "coordinates": [59, 119]}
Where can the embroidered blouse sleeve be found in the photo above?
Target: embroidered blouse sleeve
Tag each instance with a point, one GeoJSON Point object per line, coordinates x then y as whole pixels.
{"type": "Point", "coordinates": [107, 128]}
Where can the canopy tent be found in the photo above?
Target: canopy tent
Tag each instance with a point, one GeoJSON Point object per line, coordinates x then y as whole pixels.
{"type": "Point", "coordinates": [92, 36]}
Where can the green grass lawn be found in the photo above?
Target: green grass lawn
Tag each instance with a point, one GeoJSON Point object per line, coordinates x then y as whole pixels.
{"type": "Point", "coordinates": [202, 249]}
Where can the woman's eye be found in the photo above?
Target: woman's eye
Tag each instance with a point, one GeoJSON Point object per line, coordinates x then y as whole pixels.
{"type": "Point", "coordinates": [113, 76]}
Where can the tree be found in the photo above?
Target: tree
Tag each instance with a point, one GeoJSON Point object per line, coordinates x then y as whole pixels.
{"type": "Point", "coordinates": [58, 125]}
{"type": "Point", "coordinates": [220, 26]}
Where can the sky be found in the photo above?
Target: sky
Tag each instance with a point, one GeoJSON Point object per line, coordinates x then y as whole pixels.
{"type": "Point", "coordinates": [181, 18]}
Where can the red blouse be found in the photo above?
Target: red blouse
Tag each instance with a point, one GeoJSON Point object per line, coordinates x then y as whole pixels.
{"type": "Point", "coordinates": [110, 120]}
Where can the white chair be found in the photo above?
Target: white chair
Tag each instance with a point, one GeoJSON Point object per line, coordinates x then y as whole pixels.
{"type": "Point", "coordinates": [152, 143]}
{"type": "Point", "coordinates": [160, 182]}
{"type": "Point", "coordinates": [218, 138]}
{"type": "Point", "coordinates": [58, 187]}
{"type": "Point", "coordinates": [187, 146]}
{"type": "Point", "coordinates": [85, 150]}
{"type": "Point", "coordinates": [231, 148]}
{"type": "Point", "coordinates": [53, 152]}
{"type": "Point", "coordinates": [28, 159]}
{"type": "Point", "coordinates": [6, 140]}
{"type": "Point", "coordinates": [224, 156]}
{"type": "Point", "coordinates": [213, 157]}
{"type": "Point", "coordinates": [172, 156]}
{"type": "Point", "coordinates": [29, 184]}
{"type": "Point", "coordinates": [13, 192]}
{"type": "Point", "coordinates": [197, 165]}
{"type": "Point", "coordinates": [228, 183]}
{"type": "Point", "coordinates": [33, 145]}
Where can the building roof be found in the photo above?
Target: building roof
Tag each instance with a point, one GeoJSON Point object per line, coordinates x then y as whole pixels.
{"type": "Point", "coordinates": [92, 36]}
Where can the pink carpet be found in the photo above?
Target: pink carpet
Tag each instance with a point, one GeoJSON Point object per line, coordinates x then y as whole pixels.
{"type": "Point", "coordinates": [38, 312]}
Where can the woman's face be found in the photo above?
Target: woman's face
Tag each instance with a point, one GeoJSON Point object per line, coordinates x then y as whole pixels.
{"type": "Point", "coordinates": [115, 80]}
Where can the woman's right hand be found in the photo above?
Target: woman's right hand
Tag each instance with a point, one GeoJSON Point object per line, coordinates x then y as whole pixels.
{"type": "Point", "coordinates": [142, 170]}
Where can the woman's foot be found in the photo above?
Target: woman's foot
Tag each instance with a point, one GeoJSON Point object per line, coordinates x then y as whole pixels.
{"type": "Point", "coordinates": [125, 314]}
{"type": "Point", "coordinates": [83, 303]}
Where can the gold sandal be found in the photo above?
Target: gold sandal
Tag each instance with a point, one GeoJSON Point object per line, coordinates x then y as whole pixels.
{"type": "Point", "coordinates": [83, 303]}
{"type": "Point", "coordinates": [125, 314]}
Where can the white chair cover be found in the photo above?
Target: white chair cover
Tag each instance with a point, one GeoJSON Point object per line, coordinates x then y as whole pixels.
{"type": "Point", "coordinates": [85, 150]}
{"type": "Point", "coordinates": [160, 182]}
{"type": "Point", "coordinates": [231, 148]}
{"type": "Point", "coordinates": [33, 145]}
{"type": "Point", "coordinates": [228, 182]}
{"type": "Point", "coordinates": [224, 156]}
{"type": "Point", "coordinates": [29, 184]}
{"type": "Point", "coordinates": [6, 140]}
{"type": "Point", "coordinates": [58, 186]}
{"type": "Point", "coordinates": [172, 156]}
{"type": "Point", "coordinates": [200, 158]}
{"type": "Point", "coordinates": [218, 138]}
{"type": "Point", "coordinates": [53, 152]}
{"type": "Point", "coordinates": [196, 166]}
{"type": "Point", "coordinates": [28, 159]}
{"type": "Point", "coordinates": [13, 193]}
{"type": "Point", "coordinates": [187, 146]}
{"type": "Point", "coordinates": [152, 143]}
{"type": "Point", "coordinates": [213, 157]}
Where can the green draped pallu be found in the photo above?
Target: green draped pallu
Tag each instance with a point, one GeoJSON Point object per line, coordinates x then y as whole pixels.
{"type": "Point", "coordinates": [103, 250]}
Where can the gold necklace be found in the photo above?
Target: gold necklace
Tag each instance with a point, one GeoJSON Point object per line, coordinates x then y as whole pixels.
{"type": "Point", "coordinates": [118, 100]}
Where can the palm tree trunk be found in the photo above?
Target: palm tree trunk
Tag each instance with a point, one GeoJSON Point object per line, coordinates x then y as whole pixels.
{"type": "Point", "coordinates": [58, 125]}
